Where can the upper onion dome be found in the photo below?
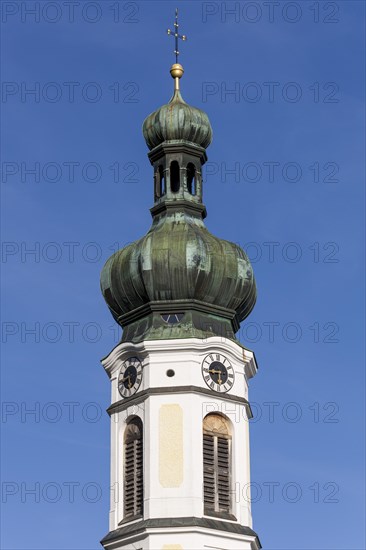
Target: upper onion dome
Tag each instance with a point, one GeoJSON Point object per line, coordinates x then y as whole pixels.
{"type": "Point", "coordinates": [177, 120]}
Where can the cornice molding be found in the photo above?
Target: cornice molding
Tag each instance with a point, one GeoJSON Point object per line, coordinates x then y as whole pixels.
{"type": "Point", "coordinates": [184, 345]}
{"type": "Point", "coordinates": [140, 397]}
{"type": "Point", "coordinates": [167, 205]}
{"type": "Point", "coordinates": [141, 527]}
{"type": "Point", "coordinates": [180, 146]}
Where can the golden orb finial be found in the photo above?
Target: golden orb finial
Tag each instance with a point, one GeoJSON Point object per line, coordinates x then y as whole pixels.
{"type": "Point", "coordinates": [176, 71]}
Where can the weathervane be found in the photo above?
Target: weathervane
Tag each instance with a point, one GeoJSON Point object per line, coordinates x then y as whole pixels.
{"type": "Point", "coordinates": [176, 35]}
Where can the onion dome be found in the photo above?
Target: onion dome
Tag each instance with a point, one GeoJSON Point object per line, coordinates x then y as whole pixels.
{"type": "Point", "coordinates": [180, 264]}
{"type": "Point", "coordinates": [179, 280]}
{"type": "Point", "coordinates": [177, 121]}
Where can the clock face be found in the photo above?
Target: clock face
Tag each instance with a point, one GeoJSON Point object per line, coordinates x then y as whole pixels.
{"type": "Point", "coordinates": [218, 372]}
{"type": "Point", "coordinates": [130, 377]}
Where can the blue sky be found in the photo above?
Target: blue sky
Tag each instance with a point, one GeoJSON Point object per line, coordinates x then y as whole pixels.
{"type": "Point", "coordinates": [293, 135]}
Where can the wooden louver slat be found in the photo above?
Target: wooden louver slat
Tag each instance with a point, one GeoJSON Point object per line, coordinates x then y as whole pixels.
{"type": "Point", "coordinates": [209, 471]}
{"type": "Point", "coordinates": [133, 470]}
{"type": "Point", "coordinates": [216, 473]}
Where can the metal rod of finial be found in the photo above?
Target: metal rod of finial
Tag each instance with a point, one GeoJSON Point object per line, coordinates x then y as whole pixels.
{"type": "Point", "coordinates": [176, 35]}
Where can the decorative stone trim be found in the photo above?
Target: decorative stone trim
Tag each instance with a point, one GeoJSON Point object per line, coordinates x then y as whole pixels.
{"type": "Point", "coordinates": [206, 523]}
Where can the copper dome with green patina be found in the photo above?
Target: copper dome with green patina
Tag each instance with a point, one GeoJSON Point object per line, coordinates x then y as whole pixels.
{"type": "Point", "coordinates": [178, 271]}
{"type": "Point", "coordinates": [177, 121]}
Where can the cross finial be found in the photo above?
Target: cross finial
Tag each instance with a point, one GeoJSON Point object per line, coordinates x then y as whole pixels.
{"type": "Point", "coordinates": [176, 35]}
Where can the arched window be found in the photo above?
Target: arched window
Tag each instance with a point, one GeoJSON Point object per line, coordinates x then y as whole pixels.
{"type": "Point", "coordinates": [160, 182]}
{"type": "Point", "coordinates": [133, 498]}
{"type": "Point", "coordinates": [174, 176]}
{"type": "Point", "coordinates": [216, 465]}
{"type": "Point", "coordinates": [191, 178]}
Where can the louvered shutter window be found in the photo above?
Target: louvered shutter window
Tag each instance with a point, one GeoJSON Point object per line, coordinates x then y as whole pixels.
{"type": "Point", "coordinates": [133, 470]}
{"type": "Point", "coordinates": [216, 465]}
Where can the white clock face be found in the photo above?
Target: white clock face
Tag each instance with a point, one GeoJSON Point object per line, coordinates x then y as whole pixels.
{"type": "Point", "coordinates": [130, 376]}
{"type": "Point", "coordinates": [218, 372]}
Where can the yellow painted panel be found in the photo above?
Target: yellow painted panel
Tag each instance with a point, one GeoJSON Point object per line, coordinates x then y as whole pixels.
{"type": "Point", "coordinates": [170, 446]}
{"type": "Point", "coordinates": [172, 547]}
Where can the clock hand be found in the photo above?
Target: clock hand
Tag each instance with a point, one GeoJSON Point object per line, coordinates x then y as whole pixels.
{"type": "Point", "coordinates": [213, 371]}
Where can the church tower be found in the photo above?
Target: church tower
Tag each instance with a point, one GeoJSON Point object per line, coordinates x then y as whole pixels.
{"type": "Point", "coordinates": [180, 472]}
